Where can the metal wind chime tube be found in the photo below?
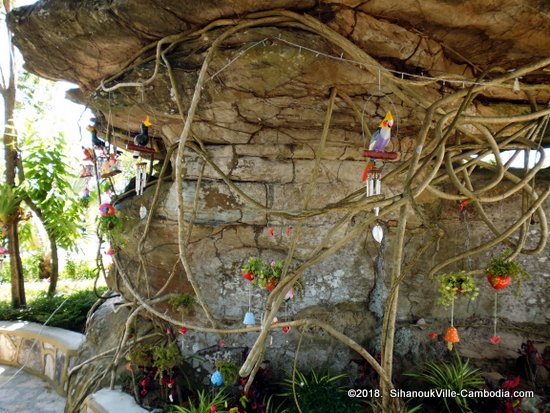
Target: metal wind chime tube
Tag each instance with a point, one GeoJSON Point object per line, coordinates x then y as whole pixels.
{"type": "Point", "coordinates": [141, 176]}
{"type": "Point", "coordinates": [373, 185]}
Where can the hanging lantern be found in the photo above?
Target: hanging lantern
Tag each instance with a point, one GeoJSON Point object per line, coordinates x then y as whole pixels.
{"type": "Point", "coordinates": [451, 337]}
{"type": "Point", "coordinates": [107, 209]}
{"type": "Point", "coordinates": [141, 177]}
{"type": "Point", "coordinates": [249, 318]}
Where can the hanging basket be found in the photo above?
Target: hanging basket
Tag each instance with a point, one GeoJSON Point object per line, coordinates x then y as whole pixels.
{"type": "Point", "coordinates": [499, 282]}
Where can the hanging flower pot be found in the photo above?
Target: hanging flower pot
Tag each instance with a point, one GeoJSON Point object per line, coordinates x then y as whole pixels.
{"type": "Point", "coordinates": [502, 270]}
{"type": "Point", "coordinates": [498, 282]}
{"type": "Point", "coordinates": [252, 267]}
{"type": "Point", "coordinates": [451, 337]}
{"type": "Point", "coordinates": [454, 285]}
{"type": "Point", "coordinates": [248, 275]}
{"type": "Point", "coordinates": [271, 283]}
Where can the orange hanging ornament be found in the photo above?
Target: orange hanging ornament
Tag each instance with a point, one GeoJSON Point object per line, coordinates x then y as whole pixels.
{"type": "Point", "coordinates": [451, 337]}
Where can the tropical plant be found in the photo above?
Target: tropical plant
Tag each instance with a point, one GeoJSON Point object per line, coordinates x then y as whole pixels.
{"type": "Point", "coordinates": [9, 203]}
{"type": "Point", "coordinates": [204, 403]}
{"type": "Point", "coordinates": [456, 375]}
{"type": "Point", "coordinates": [456, 284]}
{"type": "Point", "coordinates": [319, 393]}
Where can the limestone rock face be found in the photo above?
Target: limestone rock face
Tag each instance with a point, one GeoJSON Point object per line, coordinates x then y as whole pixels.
{"type": "Point", "coordinates": [260, 120]}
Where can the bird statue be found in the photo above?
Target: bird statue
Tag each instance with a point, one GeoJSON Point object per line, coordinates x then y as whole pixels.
{"type": "Point", "coordinates": [143, 138]}
{"type": "Point", "coordinates": [379, 140]}
{"type": "Point", "coordinates": [96, 142]}
{"type": "Point", "coordinates": [381, 136]}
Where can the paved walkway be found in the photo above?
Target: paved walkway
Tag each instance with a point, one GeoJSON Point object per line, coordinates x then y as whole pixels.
{"type": "Point", "coordinates": [26, 393]}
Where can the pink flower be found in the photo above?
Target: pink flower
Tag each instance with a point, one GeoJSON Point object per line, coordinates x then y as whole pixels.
{"type": "Point", "coordinates": [182, 330]}
{"type": "Point", "coordinates": [221, 343]}
{"type": "Point", "coordinates": [495, 340]}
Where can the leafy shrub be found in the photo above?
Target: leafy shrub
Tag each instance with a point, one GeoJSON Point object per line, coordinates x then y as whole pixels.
{"type": "Point", "coordinates": [204, 403]}
{"type": "Point", "coordinates": [319, 394]}
{"type": "Point", "coordinates": [71, 316]}
{"type": "Point", "coordinates": [457, 376]}
{"type": "Point", "coordinates": [79, 270]}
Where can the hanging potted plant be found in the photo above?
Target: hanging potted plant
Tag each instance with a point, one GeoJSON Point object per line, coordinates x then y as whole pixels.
{"type": "Point", "coordinates": [501, 271]}
{"type": "Point", "coordinates": [270, 275]}
{"type": "Point", "coordinates": [252, 267]}
{"type": "Point", "coordinates": [456, 284]}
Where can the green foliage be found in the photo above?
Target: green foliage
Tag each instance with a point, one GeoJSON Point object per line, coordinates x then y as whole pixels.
{"type": "Point", "coordinates": [204, 402]}
{"type": "Point", "coordinates": [9, 203]}
{"type": "Point", "coordinates": [456, 284]}
{"type": "Point", "coordinates": [31, 268]}
{"type": "Point", "coordinates": [79, 270]}
{"type": "Point", "coordinates": [165, 358]}
{"type": "Point", "coordinates": [228, 370]}
{"type": "Point", "coordinates": [183, 302]}
{"type": "Point", "coordinates": [47, 184]}
{"type": "Point", "coordinates": [319, 393]}
{"type": "Point", "coordinates": [112, 228]}
{"type": "Point", "coordinates": [457, 376]}
{"type": "Point", "coordinates": [71, 316]}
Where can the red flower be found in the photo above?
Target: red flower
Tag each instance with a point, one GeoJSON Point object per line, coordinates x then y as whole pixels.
{"type": "Point", "coordinates": [143, 392]}
{"type": "Point", "coordinates": [495, 340]}
{"type": "Point", "coordinates": [271, 232]}
{"type": "Point", "coordinates": [221, 343]}
{"type": "Point", "coordinates": [463, 204]}
{"type": "Point", "coordinates": [182, 330]}
{"type": "Point", "coordinates": [286, 329]}
{"type": "Point", "coordinates": [511, 383]}
{"type": "Point", "coordinates": [144, 382]}
{"type": "Point", "coordinates": [213, 409]}
{"type": "Point", "coordinates": [433, 335]}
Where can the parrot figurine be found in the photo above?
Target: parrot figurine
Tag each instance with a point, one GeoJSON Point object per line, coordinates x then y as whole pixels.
{"type": "Point", "coordinates": [381, 136]}
{"type": "Point", "coordinates": [379, 141]}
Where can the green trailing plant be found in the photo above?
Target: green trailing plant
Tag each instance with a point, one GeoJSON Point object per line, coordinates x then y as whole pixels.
{"type": "Point", "coordinates": [229, 371]}
{"type": "Point", "coordinates": [456, 375]}
{"type": "Point", "coordinates": [454, 285]}
{"type": "Point", "coordinates": [502, 265]}
{"type": "Point", "coordinates": [166, 358]}
{"type": "Point", "coordinates": [319, 393]}
{"type": "Point", "coordinates": [182, 302]}
{"type": "Point", "coordinates": [204, 402]}
{"type": "Point", "coordinates": [112, 228]}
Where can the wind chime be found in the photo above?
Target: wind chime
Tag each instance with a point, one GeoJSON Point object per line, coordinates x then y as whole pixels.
{"type": "Point", "coordinates": [141, 177]}
{"type": "Point", "coordinates": [249, 318]}
{"type": "Point", "coordinates": [372, 175]}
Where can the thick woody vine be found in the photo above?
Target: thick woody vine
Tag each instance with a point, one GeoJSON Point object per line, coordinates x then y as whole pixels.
{"type": "Point", "coordinates": [434, 163]}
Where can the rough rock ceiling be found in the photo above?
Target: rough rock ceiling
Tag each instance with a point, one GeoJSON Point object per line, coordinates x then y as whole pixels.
{"type": "Point", "coordinates": [87, 41]}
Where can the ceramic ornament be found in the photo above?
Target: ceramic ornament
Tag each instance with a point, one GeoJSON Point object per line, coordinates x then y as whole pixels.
{"type": "Point", "coordinates": [249, 318]}
{"type": "Point", "coordinates": [451, 337]}
{"type": "Point", "coordinates": [142, 212]}
{"type": "Point", "coordinates": [216, 379]}
{"type": "Point", "coordinates": [378, 233]}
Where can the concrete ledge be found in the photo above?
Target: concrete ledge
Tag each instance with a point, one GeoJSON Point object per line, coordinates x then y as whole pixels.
{"type": "Point", "coordinates": [110, 401]}
{"type": "Point", "coordinates": [47, 352]}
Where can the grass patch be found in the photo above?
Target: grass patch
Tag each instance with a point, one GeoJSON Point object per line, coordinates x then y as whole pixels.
{"type": "Point", "coordinates": [72, 315]}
